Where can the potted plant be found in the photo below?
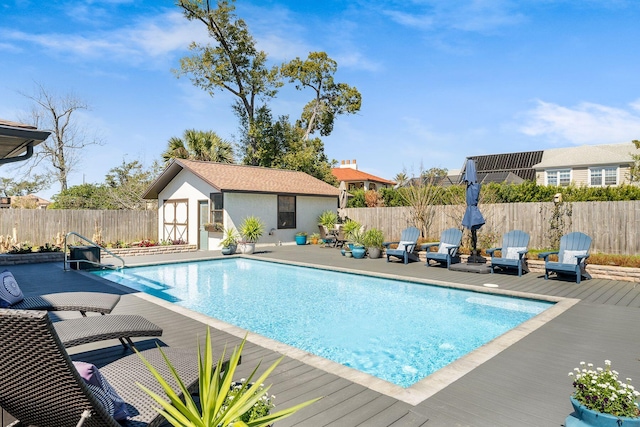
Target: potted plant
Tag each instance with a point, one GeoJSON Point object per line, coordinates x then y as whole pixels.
{"type": "Point", "coordinates": [350, 228]}
{"type": "Point", "coordinates": [373, 240]}
{"type": "Point", "coordinates": [222, 401]}
{"type": "Point", "coordinates": [229, 242]}
{"type": "Point", "coordinates": [251, 230]}
{"type": "Point", "coordinates": [315, 237]}
{"type": "Point", "coordinates": [213, 227]}
{"type": "Point", "coordinates": [601, 400]}
{"type": "Point", "coordinates": [328, 219]}
{"type": "Point", "coordinates": [301, 238]}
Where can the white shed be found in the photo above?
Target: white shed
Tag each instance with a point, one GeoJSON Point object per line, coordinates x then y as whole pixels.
{"type": "Point", "coordinates": [192, 193]}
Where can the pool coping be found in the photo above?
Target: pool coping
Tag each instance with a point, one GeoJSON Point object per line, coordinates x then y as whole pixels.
{"type": "Point", "coordinates": [419, 391]}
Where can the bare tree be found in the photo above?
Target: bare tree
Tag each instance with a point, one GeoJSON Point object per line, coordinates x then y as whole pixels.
{"type": "Point", "coordinates": [58, 114]}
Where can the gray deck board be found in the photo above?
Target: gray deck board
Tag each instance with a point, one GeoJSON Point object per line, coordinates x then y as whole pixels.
{"type": "Point", "coordinates": [525, 385]}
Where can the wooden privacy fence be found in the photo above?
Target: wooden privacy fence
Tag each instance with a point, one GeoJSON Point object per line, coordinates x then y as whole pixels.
{"type": "Point", "coordinates": [38, 226]}
{"type": "Point", "coordinates": [613, 226]}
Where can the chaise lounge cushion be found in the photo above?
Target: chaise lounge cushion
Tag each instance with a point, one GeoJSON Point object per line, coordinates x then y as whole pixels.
{"type": "Point", "coordinates": [570, 257]}
{"type": "Point", "coordinates": [10, 292]}
{"type": "Point", "coordinates": [102, 390]}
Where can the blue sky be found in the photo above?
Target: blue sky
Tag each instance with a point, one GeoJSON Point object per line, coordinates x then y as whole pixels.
{"type": "Point", "coordinates": [440, 79]}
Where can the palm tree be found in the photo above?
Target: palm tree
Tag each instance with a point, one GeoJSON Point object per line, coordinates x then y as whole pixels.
{"type": "Point", "coordinates": [199, 145]}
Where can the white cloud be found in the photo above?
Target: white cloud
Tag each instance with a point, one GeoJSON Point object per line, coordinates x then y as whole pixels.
{"type": "Point", "coordinates": [464, 15]}
{"type": "Point", "coordinates": [148, 39]}
{"type": "Point", "coordinates": [586, 123]}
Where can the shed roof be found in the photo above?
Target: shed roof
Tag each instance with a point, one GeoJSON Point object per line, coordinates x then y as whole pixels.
{"type": "Point", "coordinates": [244, 179]}
{"type": "Point", "coordinates": [588, 155]}
{"type": "Point", "coordinates": [348, 175]}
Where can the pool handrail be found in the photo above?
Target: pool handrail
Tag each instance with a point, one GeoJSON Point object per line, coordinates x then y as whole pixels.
{"type": "Point", "coordinates": [94, 244]}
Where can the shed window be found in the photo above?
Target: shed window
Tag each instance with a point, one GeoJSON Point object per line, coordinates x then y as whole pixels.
{"type": "Point", "coordinates": [286, 211]}
{"type": "Point", "coordinates": [217, 208]}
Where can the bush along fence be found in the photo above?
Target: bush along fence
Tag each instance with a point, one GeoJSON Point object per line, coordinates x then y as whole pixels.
{"type": "Point", "coordinates": [613, 226]}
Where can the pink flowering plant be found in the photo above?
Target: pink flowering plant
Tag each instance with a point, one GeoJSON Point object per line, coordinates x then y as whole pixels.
{"type": "Point", "coordinates": [600, 390]}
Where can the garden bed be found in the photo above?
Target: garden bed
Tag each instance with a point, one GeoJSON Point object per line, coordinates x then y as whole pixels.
{"type": "Point", "coordinates": [148, 250]}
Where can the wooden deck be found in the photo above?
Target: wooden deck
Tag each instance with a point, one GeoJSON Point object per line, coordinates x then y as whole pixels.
{"type": "Point", "coordinates": [526, 384]}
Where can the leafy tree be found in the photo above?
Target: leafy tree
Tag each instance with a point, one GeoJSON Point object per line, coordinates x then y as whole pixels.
{"type": "Point", "coordinates": [23, 188]}
{"type": "Point", "coordinates": [57, 114]}
{"type": "Point", "coordinates": [199, 145]}
{"type": "Point", "coordinates": [232, 64]}
{"type": "Point", "coordinates": [127, 183]}
{"type": "Point", "coordinates": [282, 145]}
{"type": "Point", "coordinates": [84, 196]}
{"type": "Point", "coordinates": [634, 172]}
{"type": "Point", "coordinates": [330, 98]}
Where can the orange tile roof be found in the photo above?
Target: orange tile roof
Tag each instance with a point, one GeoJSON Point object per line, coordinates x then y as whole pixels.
{"type": "Point", "coordinates": [242, 178]}
{"type": "Point", "coordinates": [348, 175]}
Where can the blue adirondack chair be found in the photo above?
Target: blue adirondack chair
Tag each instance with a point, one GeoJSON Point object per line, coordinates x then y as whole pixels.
{"type": "Point", "coordinates": [572, 256]}
{"type": "Point", "coordinates": [448, 246]}
{"type": "Point", "coordinates": [406, 245]}
{"type": "Point", "coordinates": [512, 252]}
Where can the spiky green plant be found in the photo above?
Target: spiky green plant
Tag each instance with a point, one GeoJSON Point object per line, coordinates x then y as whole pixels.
{"type": "Point", "coordinates": [215, 385]}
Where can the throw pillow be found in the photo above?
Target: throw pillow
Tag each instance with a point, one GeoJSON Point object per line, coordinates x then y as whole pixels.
{"type": "Point", "coordinates": [403, 245]}
{"type": "Point", "coordinates": [102, 390]}
{"type": "Point", "coordinates": [444, 248]}
{"type": "Point", "coordinates": [570, 257]}
{"type": "Point", "coordinates": [10, 292]}
{"type": "Point", "coordinates": [512, 253]}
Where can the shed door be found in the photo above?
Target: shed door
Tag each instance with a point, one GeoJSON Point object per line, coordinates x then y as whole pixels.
{"type": "Point", "coordinates": [176, 220]}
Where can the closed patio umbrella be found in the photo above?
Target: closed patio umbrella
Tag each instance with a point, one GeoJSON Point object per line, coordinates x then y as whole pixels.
{"type": "Point", "coordinates": [473, 218]}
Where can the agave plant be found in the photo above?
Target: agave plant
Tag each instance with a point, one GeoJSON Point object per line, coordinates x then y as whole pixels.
{"type": "Point", "coordinates": [216, 385]}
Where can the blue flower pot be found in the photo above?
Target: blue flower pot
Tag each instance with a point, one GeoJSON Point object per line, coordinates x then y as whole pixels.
{"type": "Point", "coordinates": [301, 240]}
{"type": "Point", "coordinates": [585, 417]}
{"type": "Point", "coordinates": [358, 252]}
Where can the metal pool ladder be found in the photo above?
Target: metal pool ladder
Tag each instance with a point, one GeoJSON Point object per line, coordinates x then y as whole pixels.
{"type": "Point", "coordinates": [92, 244]}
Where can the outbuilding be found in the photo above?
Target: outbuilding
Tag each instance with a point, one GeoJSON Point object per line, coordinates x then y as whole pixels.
{"type": "Point", "coordinates": [198, 199]}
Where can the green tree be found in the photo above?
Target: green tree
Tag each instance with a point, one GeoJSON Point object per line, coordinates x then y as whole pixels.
{"type": "Point", "coordinates": [282, 146]}
{"type": "Point", "coordinates": [84, 196]}
{"type": "Point", "coordinates": [330, 98]}
{"type": "Point", "coordinates": [199, 145]}
{"type": "Point", "coordinates": [127, 183]}
{"type": "Point", "coordinates": [232, 63]}
{"type": "Point", "coordinates": [634, 172]}
{"type": "Point", "coordinates": [23, 188]}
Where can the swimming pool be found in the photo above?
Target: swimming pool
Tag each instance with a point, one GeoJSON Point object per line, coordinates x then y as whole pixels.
{"type": "Point", "coordinates": [398, 331]}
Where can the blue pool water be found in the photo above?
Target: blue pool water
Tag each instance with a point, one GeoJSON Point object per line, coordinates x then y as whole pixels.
{"type": "Point", "coordinates": [397, 331]}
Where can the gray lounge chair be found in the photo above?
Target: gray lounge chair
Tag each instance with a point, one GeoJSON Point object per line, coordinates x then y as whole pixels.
{"type": "Point", "coordinates": [98, 302]}
{"type": "Point", "coordinates": [448, 246]}
{"type": "Point", "coordinates": [40, 386]}
{"type": "Point", "coordinates": [85, 330]}
{"type": "Point", "coordinates": [123, 327]}
{"type": "Point", "coordinates": [572, 256]}
{"type": "Point", "coordinates": [406, 245]}
{"type": "Point", "coordinates": [512, 252]}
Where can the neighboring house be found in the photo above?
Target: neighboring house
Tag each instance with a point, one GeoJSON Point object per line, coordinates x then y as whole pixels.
{"type": "Point", "coordinates": [30, 201]}
{"type": "Point", "coordinates": [510, 168]}
{"type": "Point", "coordinates": [586, 165]}
{"type": "Point", "coordinates": [355, 179]}
{"type": "Point", "coordinates": [193, 193]}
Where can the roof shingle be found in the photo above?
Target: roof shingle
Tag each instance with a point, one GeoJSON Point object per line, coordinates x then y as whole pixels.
{"type": "Point", "coordinates": [242, 178]}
